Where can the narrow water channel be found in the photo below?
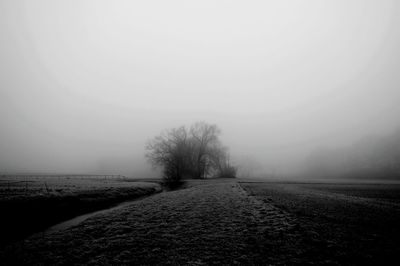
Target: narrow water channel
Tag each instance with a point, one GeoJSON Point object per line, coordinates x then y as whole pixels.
{"type": "Point", "coordinates": [78, 219]}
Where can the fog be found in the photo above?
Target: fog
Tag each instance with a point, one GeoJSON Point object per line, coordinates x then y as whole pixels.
{"type": "Point", "coordinates": [84, 84]}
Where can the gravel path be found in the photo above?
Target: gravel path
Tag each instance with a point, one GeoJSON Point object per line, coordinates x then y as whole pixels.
{"type": "Point", "coordinates": [214, 223]}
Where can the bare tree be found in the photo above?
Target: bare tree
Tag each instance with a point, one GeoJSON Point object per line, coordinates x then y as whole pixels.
{"type": "Point", "coordinates": [196, 153]}
{"type": "Point", "coordinates": [171, 151]}
{"type": "Point", "coordinates": [221, 162]}
{"type": "Point", "coordinates": [205, 138]}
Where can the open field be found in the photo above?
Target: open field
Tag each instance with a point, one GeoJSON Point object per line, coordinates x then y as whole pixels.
{"type": "Point", "coordinates": [228, 222]}
{"type": "Point", "coordinates": [337, 223]}
{"type": "Point", "coordinates": [31, 204]}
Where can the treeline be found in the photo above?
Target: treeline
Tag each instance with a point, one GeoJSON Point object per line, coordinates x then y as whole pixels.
{"type": "Point", "coordinates": [369, 158]}
{"type": "Point", "coordinates": [194, 152]}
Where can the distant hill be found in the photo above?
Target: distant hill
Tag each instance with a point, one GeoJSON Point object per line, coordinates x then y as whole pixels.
{"type": "Point", "coordinates": [370, 158]}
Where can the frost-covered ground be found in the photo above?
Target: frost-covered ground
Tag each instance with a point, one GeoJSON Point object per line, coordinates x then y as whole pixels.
{"type": "Point", "coordinates": [223, 223]}
{"type": "Point", "coordinates": [342, 223]}
{"type": "Point", "coordinates": [20, 187]}
{"type": "Point", "coordinates": [31, 204]}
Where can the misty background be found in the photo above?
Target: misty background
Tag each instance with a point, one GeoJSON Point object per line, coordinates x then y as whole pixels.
{"type": "Point", "coordinates": [84, 84]}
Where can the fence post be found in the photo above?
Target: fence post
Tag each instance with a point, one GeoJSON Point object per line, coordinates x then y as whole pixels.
{"type": "Point", "coordinates": [47, 189]}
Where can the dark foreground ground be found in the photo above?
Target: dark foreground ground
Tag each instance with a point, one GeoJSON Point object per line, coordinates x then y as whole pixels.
{"type": "Point", "coordinates": [227, 222]}
{"type": "Point", "coordinates": [31, 204]}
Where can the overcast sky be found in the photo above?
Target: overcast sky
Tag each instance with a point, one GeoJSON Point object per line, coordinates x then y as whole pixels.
{"type": "Point", "coordinates": [84, 84]}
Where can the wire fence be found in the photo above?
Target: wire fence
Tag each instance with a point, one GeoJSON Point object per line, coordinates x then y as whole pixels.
{"type": "Point", "coordinates": [30, 184]}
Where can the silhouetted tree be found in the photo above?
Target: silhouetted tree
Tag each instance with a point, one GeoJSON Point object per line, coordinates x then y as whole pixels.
{"type": "Point", "coordinates": [221, 162]}
{"type": "Point", "coordinates": [171, 150]}
{"type": "Point", "coordinates": [204, 140]}
{"type": "Point", "coordinates": [195, 153]}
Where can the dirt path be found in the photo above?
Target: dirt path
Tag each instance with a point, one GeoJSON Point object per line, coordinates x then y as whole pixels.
{"type": "Point", "coordinates": [208, 224]}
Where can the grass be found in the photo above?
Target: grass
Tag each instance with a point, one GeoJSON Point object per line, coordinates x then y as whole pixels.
{"type": "Point", "coordinates": [352, 224]}
{"type": "Point", "coordinates": [226, 222]}
{"type": "Point", "coordinates": [32, 204]}
{"type": "Point", "coordinates": [205, 224]}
